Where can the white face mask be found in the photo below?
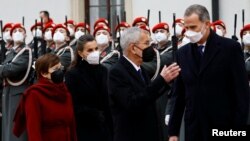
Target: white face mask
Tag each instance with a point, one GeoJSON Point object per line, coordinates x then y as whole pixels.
{"type": "Point", "coordinates": [102, 39]}
{"type": "Point", "coordinates": [219, 32]}
{"type": "Point", "coordinates": [71, 31]}
{"type": "Point", "coordinates": [37, 33]}
{"type": "Point", "coordinates": [18, 37]}
{"type": "Point", "coordinates": [93, 58]}
{"type": "Point", "coordinates": [78, 34]}
{"type": "Point", "coordinates": [159, 37]}
{"type": "Point", "coordinates": [118, 34]}
{"type": "Point", "coordinates": [246, 39]}
{"type": "Point", "coordinates": [178, 30]}
{"type": "Point", "coordinates": [6, 36]}
{"type": "Point", "coordinates": [58, 37]}
{"type": "Point", "coordinates": [194, 36]}
{"type": "Point", "coordinates": [184, 41]}
{"type": "Point", "coordinates": [48, 35]}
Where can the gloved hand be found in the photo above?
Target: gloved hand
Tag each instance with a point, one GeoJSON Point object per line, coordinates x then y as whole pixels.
{"type": "Point", "coordinates": [167, 117]}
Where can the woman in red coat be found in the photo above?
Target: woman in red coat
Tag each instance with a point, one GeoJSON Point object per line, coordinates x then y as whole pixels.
{"type": "Point", "coordinates": [46, 110]}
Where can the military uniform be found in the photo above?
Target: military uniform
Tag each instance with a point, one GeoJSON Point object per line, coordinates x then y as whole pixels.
{"type": "Point", "coordinates": [41, 46]}
{"type": "Point", "coordinates": [247, 64]}
{"type": "Point", "coordinates": [14, 71]}
{"type": "Point", "coordinates": [109, 57]}
{"type": "Point", "coordinates": [66, 55]}
{"type": "Point", "coordinates": [163, 57]}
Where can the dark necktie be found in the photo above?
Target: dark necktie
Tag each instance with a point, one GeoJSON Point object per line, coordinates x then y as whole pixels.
{"type": "Point", "coordinates": [140, 74]}
{"type": "Point", "coordinates": [200, 49]}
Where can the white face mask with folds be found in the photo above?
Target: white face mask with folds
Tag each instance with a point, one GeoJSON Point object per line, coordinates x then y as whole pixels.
{"type": "Point", "coordinates": [246, 39]}
{"type": "Point", "coordinates": [178, 30]}
{"type": "Point", "coordinates": [78, 34]}
{"type": "Point", "coordinates": [219, 32]}
{"type": "Point", "coordinates": [193, 36]}
{"type": "Point", "coordinates": [58, 37]}
{"type": "Point", "coordinates": [93, 58]}
{"type": "Point", "coordinates": [18, 37]}
{"type": "Point", "coordinates": [6, 36]}
{"type": "Point", "coordinates": [71, 31]}
{"type": "Point", "coordinates": [48, 35]}
{"type": "Point", "coordinates": [37, 33]}
{"type": "Point", "coordinates": [184, 41]}
{"type": "Point", "coordinates": [102, 39]}
{"type": "Point", "coordinates": [159, 37]}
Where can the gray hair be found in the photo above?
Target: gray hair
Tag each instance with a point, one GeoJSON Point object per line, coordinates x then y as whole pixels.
{"type": "Point", "coordinates": [200, 10]}
{"type": "Point", "coordinates": [130, 35]}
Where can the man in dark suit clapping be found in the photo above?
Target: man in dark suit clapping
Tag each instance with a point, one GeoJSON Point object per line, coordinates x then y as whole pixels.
{"type": "Point", "coordinates": [132, 95]}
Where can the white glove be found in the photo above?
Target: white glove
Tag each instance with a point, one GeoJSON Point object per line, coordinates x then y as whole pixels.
{"type": "Point", "coordinates": [33, 65]}
{"type": "Point", "coordinates": [167, 119]}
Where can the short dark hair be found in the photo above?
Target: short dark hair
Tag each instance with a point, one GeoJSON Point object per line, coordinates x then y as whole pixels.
{"type": "Point", "coordinates": [200, 10]}
{"type": "Point", "coordinates": [45, 62]}
{"type": "Point", "coordinates": [46, 13]}
{"type": "Point", "coordinates": [80, 46]}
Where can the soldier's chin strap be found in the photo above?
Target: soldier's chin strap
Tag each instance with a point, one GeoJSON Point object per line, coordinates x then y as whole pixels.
{"type": "Point", "coordinates": [28, 69]}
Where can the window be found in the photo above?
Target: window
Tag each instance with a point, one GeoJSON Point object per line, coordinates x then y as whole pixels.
{"type": "Point", "coordinates": [108, 9]}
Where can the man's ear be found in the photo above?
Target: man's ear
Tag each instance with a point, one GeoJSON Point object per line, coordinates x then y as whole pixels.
{"type": "Point", "coordinates": [132, 47]}
{"type": "Point", "coordinates": [208, 24]}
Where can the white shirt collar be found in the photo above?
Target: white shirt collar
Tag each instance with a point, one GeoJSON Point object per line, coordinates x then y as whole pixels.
{"type": "Point", "coordinates": [134, 65]}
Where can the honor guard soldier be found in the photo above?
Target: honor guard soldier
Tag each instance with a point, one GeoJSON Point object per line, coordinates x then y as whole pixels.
{"type": "Point", "coordinates": [101, 21]}
{"type": "Point", "coordinates": [220, 28]}
{"type": "Point", "coordinates": [6, 43]}
{"type": "Point", "coordinates": [119, 29]}
{"type": "Point", "coordinates": [14, 71]}
{"type": "Point", "coordinates": [79, 31]}
{"type": "Point", "coordinates": [245, 37]}
{"type": "Point", "coordinates": [109, 56]}
{"type": "Point", "coordinates": [47, 34]}
{"type": "Point", "coordinates": [71, 28]}
{"type": "Point", "coordinates": [37, 34]}
{"type": "Point", "coordinates": [180, 32]}
{"type": "Point", "coordinates": [140, 21]}
{"type": "Point", "coordinates": [61, 37]}
{"type": "Point", "coordinates": [6, 35]}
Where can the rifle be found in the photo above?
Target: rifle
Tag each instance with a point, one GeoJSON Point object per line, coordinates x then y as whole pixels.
{"type": "Point", "coordinates": [243, 18]}
{"type": "Point", "coordinates": [85, 26]}
{"type": "Point", "coordinates": [119, 31]}
{"type": "Point", "coordinates": [35, 46]}
{"type": "Point", "coordinates": [2, 43]}
{"type": "Point", "coordinates": [174, 41]}
{"type": "Point", "coordinates": [124, 16]}
{"type": "Point", "coordinates": [234, 37]}
{"type": "Point", "coordinates": [43, 43]}
{"type": "Point", "coordinates": [159, 16]}
{"type": "Point", "coordinates": [66, 21]}
{"type": "Point", "coordinates": [148, 16]}
{"type": "Point", "coordinates": [23, 20]}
